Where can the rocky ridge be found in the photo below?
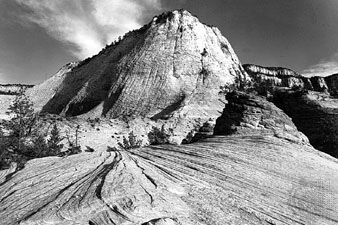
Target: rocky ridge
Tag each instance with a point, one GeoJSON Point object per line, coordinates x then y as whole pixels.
{"type": "Point", "coordinates": [284, 77]}
{"type": "Point", "coordinates": [13, 89]}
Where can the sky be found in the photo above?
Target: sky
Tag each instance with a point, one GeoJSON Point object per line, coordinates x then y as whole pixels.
{"type": "Point", "coordinates": [37, 37]}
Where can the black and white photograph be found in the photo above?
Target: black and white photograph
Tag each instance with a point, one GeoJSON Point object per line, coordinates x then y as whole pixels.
{"type": "Point", "coordinates": [168, 112]}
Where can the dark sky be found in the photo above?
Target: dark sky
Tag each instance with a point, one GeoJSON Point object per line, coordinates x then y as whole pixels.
{"type": "Point", "coordinates": [37, 37]}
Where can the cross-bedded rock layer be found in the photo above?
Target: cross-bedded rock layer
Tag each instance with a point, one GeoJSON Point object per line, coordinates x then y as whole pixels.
{"type": "Point", "coordinates": [222, 180]}
{"type": "Point", "coordinates": [172, 62]}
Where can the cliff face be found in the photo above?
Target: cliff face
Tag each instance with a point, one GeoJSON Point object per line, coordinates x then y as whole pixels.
{"type": "Point", "coordinates": [173, 61]}
{"type": "Point", "coordinates": [315, 114]}
{"type": "Point", "coordinates": [310, 102]}
{"type": "Point", "coordinates": [284, 77]}
{"type": "Point", "coordinates": [277, 76]}
{"type": "Point", "coordinates": [13, 89]}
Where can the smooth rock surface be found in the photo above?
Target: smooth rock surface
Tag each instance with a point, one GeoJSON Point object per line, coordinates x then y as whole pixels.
{"type": "Point", "coordinates": [222, 180]}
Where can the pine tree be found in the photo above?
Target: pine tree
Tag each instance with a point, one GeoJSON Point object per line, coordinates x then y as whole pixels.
{"type": "Point", "coordinates": [21, 122]}
{"type": "Point", "coordinates": [39, 148]}
{"type": "Point", "coordinates": [54, 141]}
{"type": "Point", "coordinates": [4, 157]}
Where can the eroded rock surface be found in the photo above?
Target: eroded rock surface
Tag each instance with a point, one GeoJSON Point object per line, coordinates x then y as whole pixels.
{"type": "Point", "coordinates": [222, 180]}
{"type": "Point", "coordinates": [315, 114]}
{"type": "Point", "coordinates": [173, 62]}
{"type": "Point", "coordinates": [277, 76]}
{"type": "Point", "coordinates": [250, 114]}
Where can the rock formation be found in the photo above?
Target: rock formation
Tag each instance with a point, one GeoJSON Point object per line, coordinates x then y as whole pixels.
{"type": "Point", "coordinates": [172, 62]}
{"type": "Point", "coordinates": [13, 89]}
{"type": "Point", "coordinates": [253, 165]}
{"type": "Point", "coordinates": [42, 93]}
{"type": "Point", "coordinates": [310, 102]}
{"type": "Point", "coordinates": [222, 180]}
{"type": "Point", "coordinates": [284, 77]}
{"type": "Point", "coordinates": [315, 114]}
{"type": "Point", "coordinates": [277, 76]}
{"type": "Point", "coordinates": [249, 114]}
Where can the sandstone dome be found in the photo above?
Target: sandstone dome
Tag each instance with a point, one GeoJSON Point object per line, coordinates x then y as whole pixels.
{"type": "Point", "coordinates": [173, 61]}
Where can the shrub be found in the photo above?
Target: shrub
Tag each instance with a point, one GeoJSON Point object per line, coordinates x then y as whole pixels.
{"type": "Point", "coordinates": [131, 142]}
{"type": "Point", "coordinates": [158, 136]}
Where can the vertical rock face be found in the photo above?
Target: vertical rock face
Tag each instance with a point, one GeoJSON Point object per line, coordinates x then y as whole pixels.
{"type": "Point", "coordinates": [332, 83]}
{"type": "Point", "coordinates": [277, 76]}
{"type": "Point", "coordinates": [312, 105]}
{"type": "Point", "coordinates": [315, 114]}
{"type": "Point", "coordinates": [173, 61]}
{"type": "Point", "coordinates": [319, 84]}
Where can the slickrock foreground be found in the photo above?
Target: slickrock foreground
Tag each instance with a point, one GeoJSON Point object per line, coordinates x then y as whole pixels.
{"type": "Point", "coordinates": [222, 180]}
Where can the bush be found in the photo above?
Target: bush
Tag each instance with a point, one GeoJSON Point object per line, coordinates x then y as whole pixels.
{"type": "Point", "coordinates": [130, 143]}
{"type": "Point", "coordinates": [158, 136]}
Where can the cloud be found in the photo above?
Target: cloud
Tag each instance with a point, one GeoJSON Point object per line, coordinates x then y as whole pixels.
{"type": "Point", "coordinates": [88, 25]}
{"type": "Point", "coordinates": [323, 68]}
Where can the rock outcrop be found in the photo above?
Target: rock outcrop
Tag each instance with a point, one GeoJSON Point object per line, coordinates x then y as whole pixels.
{"type": "Point", "coordinates": [283, 77]}
{"type": "Point", "coordinates": [222, 180]}
{"type": "Point", "coordinates": [247, 114]}
{"type": "Point", "coordinates": [311, 102]}
{"type": "Point", "coordinates": [315, 114]}
{"type": "Point", "coordinates": [174, 62]}
{"type": "Point", "coordinates": [277, 76]}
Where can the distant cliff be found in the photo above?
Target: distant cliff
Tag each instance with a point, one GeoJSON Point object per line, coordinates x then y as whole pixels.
{"type": "Point", "coordinates": [13, 89]}
{"type": "Point", "coordinates": [284, 77]}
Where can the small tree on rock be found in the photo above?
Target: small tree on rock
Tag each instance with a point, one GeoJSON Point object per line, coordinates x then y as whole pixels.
{"type": "Point", "coordinates": [21, 123]}
{"type": "Point", "coordinates": [130, 142]}
{"type": "Point", "coordinates": [54, 141]}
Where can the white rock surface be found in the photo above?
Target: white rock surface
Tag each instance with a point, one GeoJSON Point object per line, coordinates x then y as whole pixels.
{"type": "Point", "coordinates": [172, 62]}
{"type": "Point", "coordinates": [222, 180]}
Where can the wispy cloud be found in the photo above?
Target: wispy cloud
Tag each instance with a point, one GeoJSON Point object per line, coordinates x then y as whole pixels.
{"type": "Point", "coordinates": [88, 25]}
{"type": "Point", "coordinates": [323, 68]}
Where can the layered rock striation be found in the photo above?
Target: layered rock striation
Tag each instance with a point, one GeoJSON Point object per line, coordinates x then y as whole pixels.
{"type": "Point", "coordinates": [310, 102]}
{"type": "Point", "coordinates": [247, 114]}
{"type": "Point", "coordinates": [172, 62]}
{"type": "Point", "coordinates": [222, 180]}
{"type": "Point", "coordinates": [283, 77]}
